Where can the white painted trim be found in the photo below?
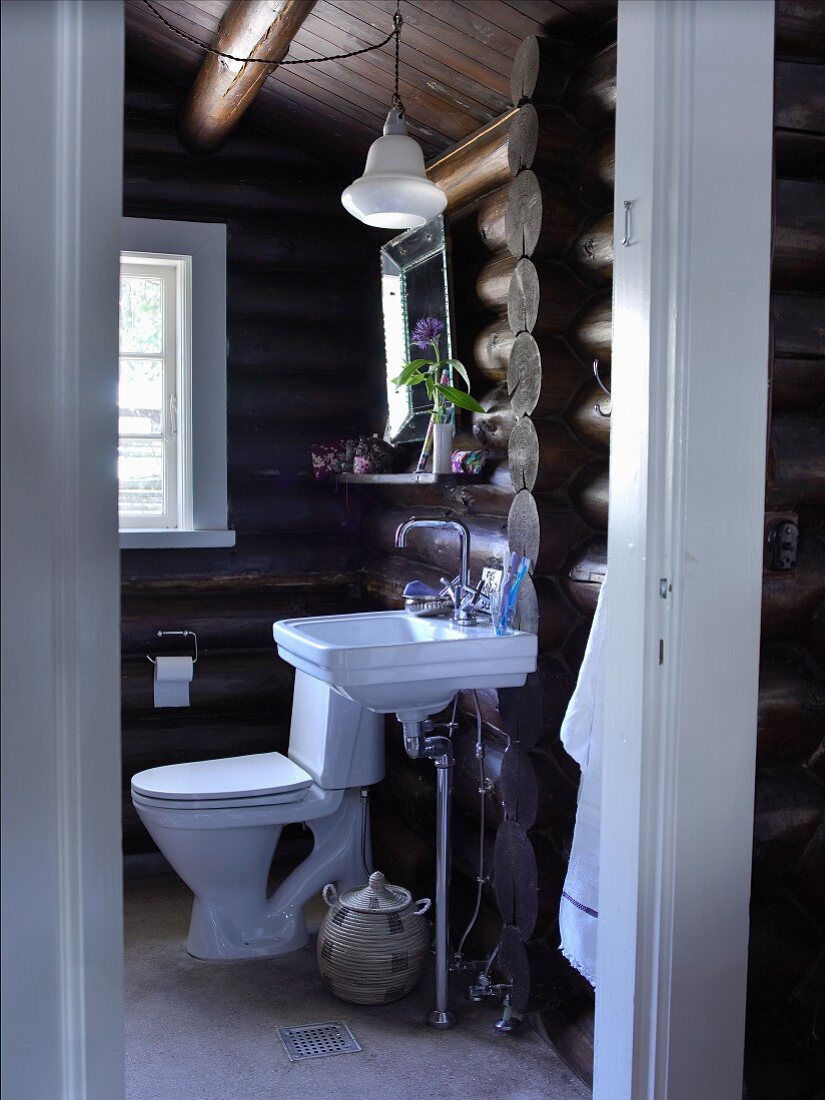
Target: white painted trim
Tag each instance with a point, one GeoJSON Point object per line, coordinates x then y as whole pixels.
{"type": "Point", "coordinates": [690, 354]}
{"type": "Point", "coordinates": [173, 272]}
{"type": "Point", "coordinates": [62, 1017]}
{"type": "Point", "coordinates": [154, 538]}
{"type": "Point", "coordinates": [205, 242]}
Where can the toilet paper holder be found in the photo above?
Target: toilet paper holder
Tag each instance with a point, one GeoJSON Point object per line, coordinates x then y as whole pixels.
{"type": "Point", "coordinates": [179, 634]}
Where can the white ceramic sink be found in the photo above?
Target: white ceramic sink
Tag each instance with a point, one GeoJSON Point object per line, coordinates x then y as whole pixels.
{"type": "Point", "coordinates": [393, 661]}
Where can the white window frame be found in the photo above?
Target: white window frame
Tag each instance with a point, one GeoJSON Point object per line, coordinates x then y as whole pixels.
{"type": "Point", "coordinates": [175, 273]}
{"type": "Point", "coordinates": [202, 419]}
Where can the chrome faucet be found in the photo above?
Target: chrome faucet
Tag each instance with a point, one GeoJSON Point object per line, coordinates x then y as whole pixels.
{"type": "Point", "coordinates": [460, 590]}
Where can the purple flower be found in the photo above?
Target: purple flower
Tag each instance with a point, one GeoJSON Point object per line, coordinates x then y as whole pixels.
{"type": "Point", "coordinates": [426, 332]}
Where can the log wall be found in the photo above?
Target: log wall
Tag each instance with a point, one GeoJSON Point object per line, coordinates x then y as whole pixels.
{"type": "Point", "coordinates": [302, 303]}
{"type": "Point", "coordinates": [785, 1050]}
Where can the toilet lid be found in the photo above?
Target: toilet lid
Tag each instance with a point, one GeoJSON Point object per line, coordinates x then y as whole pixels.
{"type": "Point", "coordinates": [233, 777]}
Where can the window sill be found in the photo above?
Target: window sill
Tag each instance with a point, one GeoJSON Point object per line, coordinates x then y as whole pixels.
{"type": "Point", "coordinates": [145, 538]}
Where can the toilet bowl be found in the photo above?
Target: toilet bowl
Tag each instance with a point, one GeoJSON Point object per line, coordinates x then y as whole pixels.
{"type": "Point", "coordinates": [218, 823]}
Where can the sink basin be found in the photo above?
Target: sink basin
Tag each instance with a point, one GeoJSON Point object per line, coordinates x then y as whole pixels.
{"type": "Point", "coordinates": [391, 661]}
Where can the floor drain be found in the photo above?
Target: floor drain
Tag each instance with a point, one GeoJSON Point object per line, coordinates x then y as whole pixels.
{"type": "Point", "coordinates": [317, 1041]}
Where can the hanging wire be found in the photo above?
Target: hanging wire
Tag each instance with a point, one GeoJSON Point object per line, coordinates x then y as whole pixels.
{"type": "Point", "coordinates": [395, 33]}
{"type": "Point", "coordinates": [397, 23]}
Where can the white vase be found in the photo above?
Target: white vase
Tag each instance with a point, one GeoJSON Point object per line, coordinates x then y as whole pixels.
{"type": "Point", "coordinates": [442, 448]}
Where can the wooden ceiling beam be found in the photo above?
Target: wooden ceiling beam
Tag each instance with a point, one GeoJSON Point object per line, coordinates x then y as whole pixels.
{"type": "Point", "coordinates": [224, 89]}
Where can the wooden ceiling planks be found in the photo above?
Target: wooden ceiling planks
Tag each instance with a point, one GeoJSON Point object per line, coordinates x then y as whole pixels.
{"type": "Point", "coordinates": [456, 57]}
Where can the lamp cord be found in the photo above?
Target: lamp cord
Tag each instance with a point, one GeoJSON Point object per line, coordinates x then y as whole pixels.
{"type": "Point", "coordinates": [397, 23]}
{"type": "Point", "coordinates": [395, 33]}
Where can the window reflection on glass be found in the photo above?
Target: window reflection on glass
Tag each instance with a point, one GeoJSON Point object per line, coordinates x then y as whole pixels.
{"type": "Point", "coordinates": [140, 477]}
{"type": "Point", "coordinates": [395, 343]}
{"type": "Point", "coordinates": [141, 315]}
{"type": "Point", "coordinates": [414, 283]}
{"type": "Point", "coordinates": [140, 396]}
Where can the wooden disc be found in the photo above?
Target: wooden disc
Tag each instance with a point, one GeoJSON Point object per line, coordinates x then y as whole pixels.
{"type": "Point", "coordinates": [526, 616]}
{"type": "Point", "coordinates": [524, 214]}
{"type": "Point", "coordinates": [523, 527]}
{"type": "Point", "coordinates": [523, 454]}
{"type": "Point", "coordinates": [524, 374]}
{"type": "Point", "coordinates": [541, 69]}
{"type": "Point", "coordinates": [519, 787]}
{"type": "Point", "coordinates": [522, 709]}
{"type": "Point", "coordinates": [512, 959]}
{"type": "Point", "coordinates": [516, 878]}
{"type": "Point", "coordinates": [523, 139]}
{"type": "Point", "coordinates": [524, 296]}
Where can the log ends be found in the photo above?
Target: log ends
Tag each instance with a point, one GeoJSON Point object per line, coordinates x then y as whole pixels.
{"type": "Point", "coordinates": [542, 218]}
{"type": "Point", "coordinates": [541, 69]}
{"type": "Point", "coordinates": [524, 528]}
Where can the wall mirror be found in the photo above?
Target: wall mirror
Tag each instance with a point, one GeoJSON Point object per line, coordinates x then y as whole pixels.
{"type": "Point", "coordinates": [414, 284]}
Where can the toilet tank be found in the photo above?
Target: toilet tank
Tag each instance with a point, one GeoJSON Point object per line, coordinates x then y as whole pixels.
{"type": "Point", "coordinates": [338, 742]}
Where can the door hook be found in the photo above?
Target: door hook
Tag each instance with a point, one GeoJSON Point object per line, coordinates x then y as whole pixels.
{"type": "Point", "coordinates": [603, 387]}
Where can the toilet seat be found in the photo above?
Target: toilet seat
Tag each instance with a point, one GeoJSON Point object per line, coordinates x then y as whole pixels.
{"type": "Point", "coordinates": [262, 779]}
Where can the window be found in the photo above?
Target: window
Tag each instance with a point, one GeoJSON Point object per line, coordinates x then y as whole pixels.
{"type": "Point", "coordinates": [172, 444]}
{"type": "Point", "coordinates": [154, 453]}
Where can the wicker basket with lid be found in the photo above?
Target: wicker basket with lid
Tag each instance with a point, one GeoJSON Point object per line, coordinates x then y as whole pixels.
{"type": "Point", "coordinates": [373, 942]}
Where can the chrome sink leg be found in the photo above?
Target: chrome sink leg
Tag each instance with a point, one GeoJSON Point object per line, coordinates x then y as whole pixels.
{"type": "Point", "coordinates": [440, 751]}
{"type": "Point", "coordinates": [441, 1017]}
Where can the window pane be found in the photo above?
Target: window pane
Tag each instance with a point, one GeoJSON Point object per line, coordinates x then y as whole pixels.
{"type": "Point", "coordinates": [140, 395]}
{"type": "Point", "coordinates": [141, 314]}
{"type": "Point", "coordinates": [140, 477]}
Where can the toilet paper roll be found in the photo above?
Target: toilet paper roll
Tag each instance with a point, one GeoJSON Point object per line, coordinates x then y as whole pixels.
{"type": "Point", "coordinates": [172, 678]}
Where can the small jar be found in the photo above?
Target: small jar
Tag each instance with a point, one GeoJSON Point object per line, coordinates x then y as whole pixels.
{"type": "Point", "coordinates": [373, 942]}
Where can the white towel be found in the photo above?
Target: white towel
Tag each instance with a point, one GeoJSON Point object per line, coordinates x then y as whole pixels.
{"type": "Point", "coordinates": [582, 736]}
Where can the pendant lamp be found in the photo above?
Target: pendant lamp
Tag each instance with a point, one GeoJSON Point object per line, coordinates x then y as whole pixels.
{"type": "Point", "coordinates": [394, 191]}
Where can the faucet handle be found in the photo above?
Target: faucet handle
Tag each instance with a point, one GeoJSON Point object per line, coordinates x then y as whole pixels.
{"type": "Point", "coordinates": [451, 589]}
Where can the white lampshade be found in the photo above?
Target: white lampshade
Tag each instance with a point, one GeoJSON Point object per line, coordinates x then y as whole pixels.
{"type": "Point", "coordinates": [394, 192]}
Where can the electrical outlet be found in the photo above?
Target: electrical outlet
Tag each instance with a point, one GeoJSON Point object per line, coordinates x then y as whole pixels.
{"type": "Point", "coordinates": [783, 539]}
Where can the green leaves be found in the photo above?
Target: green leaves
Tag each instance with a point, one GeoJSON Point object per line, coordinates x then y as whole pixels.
{"type": "Point", "coordinates": [458, 397]}
{"type": "Point", "coordinates": [427, 371]}
{"type": "Point", "coordinates": [456, 364]}
{"type": "Point", "coordinates": [411, 373]}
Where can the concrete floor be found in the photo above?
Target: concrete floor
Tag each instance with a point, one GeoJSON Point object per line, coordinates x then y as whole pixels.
{"type": "Point", "coordinates": [207, 1030]}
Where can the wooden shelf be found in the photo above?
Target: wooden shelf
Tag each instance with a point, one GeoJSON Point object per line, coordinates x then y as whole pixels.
{"type": "Point", "coordinates": [425, 478]}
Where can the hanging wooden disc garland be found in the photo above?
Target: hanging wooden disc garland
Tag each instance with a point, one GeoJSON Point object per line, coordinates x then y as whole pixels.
{"type": "Point", "coordinates": [512, 959]}
{"type": "Point", "coordinates": [519, 787]}
{"type": "Point", "coordinates": [515, 877]}
{"type": "Point", "coordinates": [522, 711]}
{"type": "Point", "coordinates": [527, 607]}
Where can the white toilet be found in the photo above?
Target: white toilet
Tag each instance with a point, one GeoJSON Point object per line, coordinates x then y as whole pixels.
{"type": "Point", "coordinates": [218, 823]}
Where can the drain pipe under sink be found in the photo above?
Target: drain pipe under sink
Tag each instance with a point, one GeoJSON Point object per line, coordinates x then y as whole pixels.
{"type": "Point", "coordinates": [421, 744]}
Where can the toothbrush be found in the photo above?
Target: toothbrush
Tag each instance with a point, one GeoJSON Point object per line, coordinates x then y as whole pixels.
{"type": "Point", "coordinates": [509, 603]}
{"type": "Point", "coordinates": [522, 572]}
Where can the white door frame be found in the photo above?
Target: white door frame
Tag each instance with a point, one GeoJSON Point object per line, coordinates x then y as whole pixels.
{"type": "Point", "coordinates": [694, 135]}
{"type": "Point", "coordinates": [62, 1019]}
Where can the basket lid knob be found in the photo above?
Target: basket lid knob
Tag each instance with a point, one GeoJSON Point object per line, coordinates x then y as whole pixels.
{"type": "Point", "coordinates": [378, 885]}
{"type": "Point", "coordinates": [377, 896]}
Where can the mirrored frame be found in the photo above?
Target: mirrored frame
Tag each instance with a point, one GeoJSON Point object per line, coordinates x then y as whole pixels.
{"type": "Point", "coordinates": [415, 277]}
